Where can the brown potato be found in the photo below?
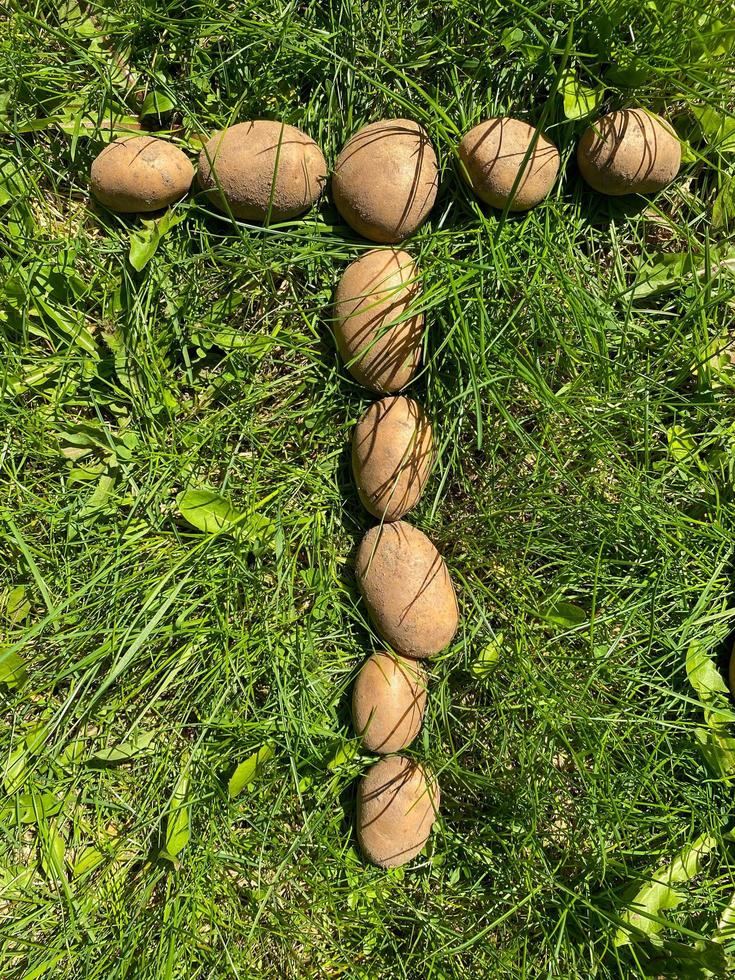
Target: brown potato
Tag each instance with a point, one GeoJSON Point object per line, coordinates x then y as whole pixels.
{"type": "Point", "coordinates": [397, 804]}
{"type": "Point", "coordinates": [631, 151]}
{"type": "Point", "coordinates": [139, 174]}
{"type": "Point", "coordinates": [493, 153]}
{"type": "Point", "coordinates": [385, 180]}
{"type": "Point", "coordinates": [407, 589]}
{"type": "Point", "coordinates": [262, 170]}
{"type": "Point", "coordinates": [388, 702]}
{"type": "Point", "coordinates": [392, 456]}
{"type": "Point", "coordinates": [377, 336]}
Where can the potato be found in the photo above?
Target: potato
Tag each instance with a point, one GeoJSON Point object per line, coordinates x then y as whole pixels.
{"type": "Point", "coordinates": [140, 173]}
{"type": "Point", "coordinates": [378, 337]}
{"type": "Point", "coordinates": [388, 702]}
{"type": "Point", "coordinates": [407, 589]}
{"type": "Point", "coordinates": [392, 456]}
{"type": "Point", "coordinates": [385, 180]}
{"type": "Point", "coordinates": [262, 170]}
{"type": "Point", "coordinates": [493, 154]}
{"type": "Point", "coordinates": [631, 151]}
{"type": "Point", "coordinates": [397, 804]}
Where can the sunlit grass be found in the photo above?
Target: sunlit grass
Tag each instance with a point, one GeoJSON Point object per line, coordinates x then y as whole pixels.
{"type": "Point", "coordinates": [587, 547]}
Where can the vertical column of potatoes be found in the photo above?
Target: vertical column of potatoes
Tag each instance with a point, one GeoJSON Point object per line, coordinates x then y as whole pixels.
{"type": "Point", "coordinates": [384, 184]}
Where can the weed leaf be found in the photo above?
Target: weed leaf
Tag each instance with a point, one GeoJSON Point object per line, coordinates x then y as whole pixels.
{"type": "Point", "coordinates": [660, 892]}
{"type": "Point", "coordinates": [209, 511]}
{"type": "Point", "coordinates": [115, 755]}
{"type": "Point", "coordinates": [580, 101]}
{"type": "Point", "coordinates": [248, 770]}
{"type": "Point", "coordinates": [177, 827]}
{"type": "Point", "coordinates": [704, 677]}
{"type": "Point", "coordinates": [13, 673]}
{"type": "Point", "coordinates": [144, 243]}
{"type": "Point", "coordinates": [561, 613]}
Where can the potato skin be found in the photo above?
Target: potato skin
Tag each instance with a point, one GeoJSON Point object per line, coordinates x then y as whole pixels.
{"type": "Point", "coordinates": [493, 152]}
{"type": "Point", "coordinates": [140, 174]}
{"type": "Point", "coordinates": [407, 589]}
{"type": "Point", "coordinates": [237, 166]}
{"type": "Point", "coordinates": [388, 702]}
{"type": "Point", "coordinates": [392, 456]}
{"type": "Point", "coordinates": [397, 803]}
{"type": "Point", "coordinates": [630, 151]}
{"type": "Point", "coordinates": [386, 179]}
{"type": "Point", "coordinates": [373, 294]}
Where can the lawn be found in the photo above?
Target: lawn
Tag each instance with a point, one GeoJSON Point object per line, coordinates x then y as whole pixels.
{"type": "Point", "coordinates": [178, 761]}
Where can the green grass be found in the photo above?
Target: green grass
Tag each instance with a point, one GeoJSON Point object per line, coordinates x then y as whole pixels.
{"type": "Point", "coordinates": [587, 458]}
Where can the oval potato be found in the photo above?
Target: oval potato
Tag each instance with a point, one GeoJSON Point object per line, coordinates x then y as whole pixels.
{"type": "Point", "coordinates": [386, 179]}
{"type": "Point", "coordinates": [397, 804]}
{"type": "Point", "coordinates": [262, 170]}
{"type": "Point", "coordinates": [140, 174]}
{"type": "Point", "coordinates": [378, 337]}
{"type": "Point", "coordinates": [407, 589]}
{"type": "Point", "coordinates": [388, 702]}
{"type": "Point", "coordinates": [392, 456]}
{"type": "Point", "coordinates": [493, 153]}
{"type": "Point", "coordinates": [630, 151]}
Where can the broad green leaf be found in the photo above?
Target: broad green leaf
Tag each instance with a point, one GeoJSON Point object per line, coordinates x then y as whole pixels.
{"type": "Point", "coordinates": [209, 511]}
{"type": "Point", "coordinates": [660, 892]}
{"type": "Point", "coordinates": [156, 104]}
{"type": "Point", "coordinates": [13, 673]}
{"type": "Point", "coordinates": [100, 496]}
{"type": "Point", "coordinates": [72, 17]}
{"type": "Point", "coordinates": [115, 755]}
{"type": "Point", "coordinates": [717, 127]}
{"type": "Point", "coordinates": [73, 753]}
{"type": "Point", "coordinates": [79, 440]}
{"type": "Point", "coordinates": [144, 243]}
{"type": "Point", "coordinates": [682, 446]}
{"type": "Point", "coordinates": [723, 210]}
{"type": "Point", "coordinates": [580, 101]}
{"type": "Point", "coordinates": [629, 72]}
{"type": "Point", "coordinates": [17, 605]}
{"type": "Point", "coordinates": [88, 859]}
{"type": "Point", "coordinates": [561, 613]}
{"type": "Point", "coordinates": [661, 273]}
{"type": "Point", "coordinates": [35, 807]}
{"type": "Point", "coordinates": [704, 677]}
{"type": "Point", "coordinates": [15, 771]}
{"type": "Point", "coordinates": [718, 751]}
{"type": "Point", "coordinates": [247, 771]}
{"type": "Point", "coordinates": [36, 736]}
{"type": "Point", "coordinates": [512, 38]}
{"type": "Point", "coordinates": [12, 186]}
{"type": "Point", "coordinates": [53, 850]}
{"type": "Point", "coordinates": [76, 330]}
{"type": "Point", "coordinates": [701, 960]}
{"type": "Point", "coordinates": [230, 338]}
{"type": "Point", "coordinates": [177, 826]}
{"type": "Point", "coordinates": [488, 658]}
{"type": "Point", "coordinates": [344, 754]}
{"type": "Point", "coordinates": [725, 931]}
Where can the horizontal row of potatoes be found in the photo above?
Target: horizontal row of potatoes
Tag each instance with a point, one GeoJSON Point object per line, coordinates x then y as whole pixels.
{"type": "Point", "coordinates": [386, 177]}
